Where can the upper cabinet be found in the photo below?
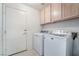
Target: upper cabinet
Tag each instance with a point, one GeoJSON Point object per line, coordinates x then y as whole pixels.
{"type": "Point", "coordinates": [66, 10]}
{"type": "Point", "coordinates": [47, 14]}
{"type": "Point", "coordinates": [69, 10]}
{"type": "Point", "coordinates": [60, 11]}
{"type": "Point", "coordinates": [75, 10]}
{"type": "Point", "coordinates": [56, 12]}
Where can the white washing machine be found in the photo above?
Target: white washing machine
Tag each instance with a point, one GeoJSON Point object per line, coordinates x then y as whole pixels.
{"type": "Point", "coordinates": [38, 43]}
{"type": "Point", "coordinates": [58, 45]}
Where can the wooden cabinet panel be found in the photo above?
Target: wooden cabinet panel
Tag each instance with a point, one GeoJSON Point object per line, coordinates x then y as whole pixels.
{"type": "Point", "coordinates": [59, 12]}
{"type": "Point", "coordinates": [69, 10]}
{"type": "Point", "coordinates": [56, 12]}
{"type": "Point", "coordinates": [42, 16]}
{"type": "Point", "coordinates": [75, 9]}
{"type": "Point", "coordinates": [47, 14]}
{"type": "Point", "coordinates": [66, 10]}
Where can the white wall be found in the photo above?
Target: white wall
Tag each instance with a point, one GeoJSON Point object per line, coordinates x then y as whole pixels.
{"type": "Point", "coordinates": [33, 21]}
{"type": "Point", "coordinates": [0, 29]}
{"type": "Point", "coordinates": [69, 25]}
{"type": "Point", "coordinates": [33, 24]}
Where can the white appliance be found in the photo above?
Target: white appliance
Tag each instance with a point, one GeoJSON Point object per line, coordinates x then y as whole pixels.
{"type": "Point", "coordinates": [76, 46]}
{"type": "Point", "coordinates": [58, 44]}
{"type": "Point", "coordinates": [38, 43]}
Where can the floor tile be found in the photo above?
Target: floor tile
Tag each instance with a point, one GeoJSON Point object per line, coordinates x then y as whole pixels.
{"type": "Point", "coordinates": [27, 53]}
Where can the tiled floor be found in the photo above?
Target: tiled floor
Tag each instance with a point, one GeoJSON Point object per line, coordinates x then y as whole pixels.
{"type": "Point", "coordinates": [27, 53]}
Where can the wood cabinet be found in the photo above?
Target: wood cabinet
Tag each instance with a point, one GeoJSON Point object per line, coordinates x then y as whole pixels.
{"type": "Point", "coordinates": [42, 16]}
{"type": "Point", "coordinates": [66, 10]}
{"type": "Point", "coordinates": [69, 10]}
{"type": "Point", "coordinates": [75, 10]}
{"type": "Point", "coordinates": [47, 14]}
{"type": "Point", "coordinates": [60, 11]}
{"type": "Point", "coordinates": [56, 12]}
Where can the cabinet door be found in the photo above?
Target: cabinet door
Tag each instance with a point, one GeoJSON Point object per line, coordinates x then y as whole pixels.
{"type": "Point", "coordinates": [66, 10]}
{"type": "Point", "coordinates": [75, 9]}
{"type": "Point", "coordinates": [56, 11]}
{"type": "Point", "coordinates": [47, 14]}
{"type": "Point", "coordinates": [42, 16]}
{"type": "Point", "coordinates": [70, 10]}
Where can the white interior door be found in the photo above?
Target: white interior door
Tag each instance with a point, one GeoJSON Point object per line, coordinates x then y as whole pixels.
{"type": "Point", "coordinates": [15, 31]}
{"type": "Point", "coordinates": [0, 29]}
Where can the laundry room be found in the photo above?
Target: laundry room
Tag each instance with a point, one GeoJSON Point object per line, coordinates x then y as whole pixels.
{"type": "Point", "coordinates": [39, 29]}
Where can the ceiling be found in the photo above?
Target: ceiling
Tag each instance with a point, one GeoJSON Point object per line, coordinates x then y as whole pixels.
{"type": "Point", "coordinates": [38, 6]}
